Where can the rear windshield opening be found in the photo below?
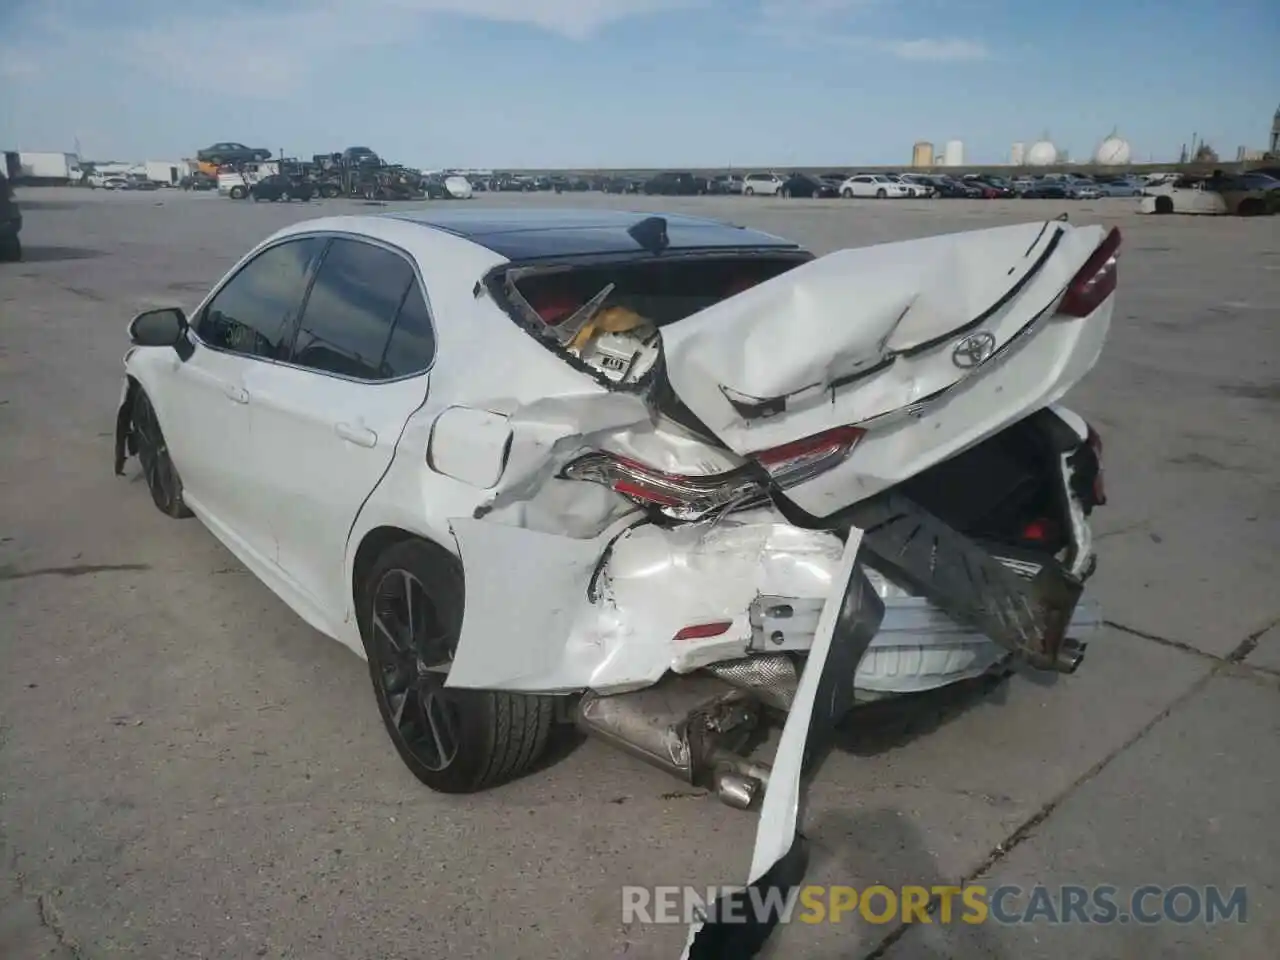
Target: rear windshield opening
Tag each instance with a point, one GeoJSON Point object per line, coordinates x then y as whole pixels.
{"type": "Point", "coordinates": [609, 316]}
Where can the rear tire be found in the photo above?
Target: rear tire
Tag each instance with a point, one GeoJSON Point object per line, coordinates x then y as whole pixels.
{"type": "Point", "coordinates": [1164, 204]}
{"type": "Point", "coordinates": [10, 249]}
{"type": "Point", "coordinates": [454, 741]}
{"type": "Point", "coordinates": [153, 453]}
{"type": "Point", "coordinates": [238, 193]}
{"type": "Point", "coordinates": [881, 193]}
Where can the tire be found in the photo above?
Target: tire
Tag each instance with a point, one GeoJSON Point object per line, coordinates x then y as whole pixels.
{"type": "Point", "coordinates": [1164, 204]}
{"type": "Point", "coordinates": [285, 196]}
{"type": "Point", "coordinates": [847, 193]}
{"type": "Point", "coordinates": [10, 249]}
{"type": "Point", "coordinates": [153, 454]}
{"type": "Point", "coordinates": [786, 194]}
{"type": "Point", "coordinates": [1251, 207]}
{"type": "Point", "coordinates": [881, 193]}
{"type": "Point", "coordinates": [494, 736]}
{"type": "Point", "coordinates": [749, 191]}
{"type": "Point", "coordinates": [238, 192]}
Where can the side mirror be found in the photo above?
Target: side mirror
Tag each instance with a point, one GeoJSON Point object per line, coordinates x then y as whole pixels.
{"type": "Point", "coordinates": [158, 328]}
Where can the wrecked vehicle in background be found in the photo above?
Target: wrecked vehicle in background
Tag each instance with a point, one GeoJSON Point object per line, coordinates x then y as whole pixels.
{"type": "Point", "coordinates": [682, 472]}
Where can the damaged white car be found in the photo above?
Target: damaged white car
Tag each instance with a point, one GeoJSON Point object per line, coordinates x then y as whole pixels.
{"type": "Point", "coordinates": [681, 476]}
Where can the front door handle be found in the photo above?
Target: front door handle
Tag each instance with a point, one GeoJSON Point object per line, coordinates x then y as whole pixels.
{"type": "Point", "coordinates": [235, 393]}
{"type": "Point", "coordinates": [360, 436]}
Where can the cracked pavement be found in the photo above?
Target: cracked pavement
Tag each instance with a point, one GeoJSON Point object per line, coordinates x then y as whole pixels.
{"type": "Point", "coordinates": [188, 770]}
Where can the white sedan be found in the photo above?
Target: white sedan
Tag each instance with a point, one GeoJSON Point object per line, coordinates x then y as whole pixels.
{"type": "Point", "coordinates": [874, 185]}
{"type": "Point", "coordinates": [510, 455]}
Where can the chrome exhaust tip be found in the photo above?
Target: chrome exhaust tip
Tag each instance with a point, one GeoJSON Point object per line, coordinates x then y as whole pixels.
{"type": "Point", "coordinates": [1070, 655]}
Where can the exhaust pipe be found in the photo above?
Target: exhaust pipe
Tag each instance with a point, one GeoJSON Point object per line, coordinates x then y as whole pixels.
{"type": "Point", "coordinates": [690, 726]}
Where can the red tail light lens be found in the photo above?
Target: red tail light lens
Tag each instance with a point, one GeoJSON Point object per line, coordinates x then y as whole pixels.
{"type": "Point", "coordinates": [679, 497]}
{"type": "Point", "coordinates": [802, 460]}
{"type": "Point", "coordinates": [1095, 281]}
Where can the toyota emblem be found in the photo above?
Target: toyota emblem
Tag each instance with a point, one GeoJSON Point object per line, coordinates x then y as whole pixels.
{"type": "Point", "coordinates": [973, 350]}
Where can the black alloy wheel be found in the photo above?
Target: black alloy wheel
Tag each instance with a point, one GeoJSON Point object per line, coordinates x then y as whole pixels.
{"type": "Point", "coordinates": [453, 740]}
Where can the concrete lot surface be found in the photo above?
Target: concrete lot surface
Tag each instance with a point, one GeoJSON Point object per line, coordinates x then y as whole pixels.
{"type": "Point", "coordinates": [188, 771]}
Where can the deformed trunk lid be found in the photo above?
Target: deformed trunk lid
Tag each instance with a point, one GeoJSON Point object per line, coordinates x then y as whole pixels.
{"type": "Point", "coordinates": [865, 336]}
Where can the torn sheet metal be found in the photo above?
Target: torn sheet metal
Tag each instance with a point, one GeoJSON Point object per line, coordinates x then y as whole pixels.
{"type": "Point", "coordinates": [850, 618]}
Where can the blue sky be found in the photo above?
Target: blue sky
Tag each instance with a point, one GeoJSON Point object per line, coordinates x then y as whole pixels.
{"type": "Point", "coordinates": [647, 83]}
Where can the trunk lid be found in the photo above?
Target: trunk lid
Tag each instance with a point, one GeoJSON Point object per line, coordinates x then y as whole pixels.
{"type": "Point", "coordinates": [930, 345]}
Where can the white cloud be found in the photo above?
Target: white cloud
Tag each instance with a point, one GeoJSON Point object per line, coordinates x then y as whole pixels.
{"type": "Point", "coordinates": [274, 53]}
{"type": "Point", "coordinates": [938, 49]}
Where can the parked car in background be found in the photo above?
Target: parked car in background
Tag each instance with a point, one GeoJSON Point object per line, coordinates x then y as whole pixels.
{"type": "Point", "coordinates": [280, 186]}
{"type": "Point", "coordinates": [676, 183]}
{"type": "Point", "coordinates": [10, 223]}
{"type": "Point", "coordinates": [804, 185]}
{"type": "Point", "coordinates": [1082, 190]}
{"type": "Point", "coordinates": [872, 185]}
{"type": "Point", "coordinates": [764, 184]}
{"type": "Point", "coordinates": [440, 186]}
{"type": "Point", "coordinates": [1122, 187]}
{"type": "Point", "coordinates": [1243, 196]}
{"type": "Point", "coordinates": [229, 152]}
{"type": "Point", "coordinates": [198, 181]}
{"type": "Point", "coordinates": [355, 156]}
{"type": "Point", "coordinates": [139, 182]}
{"type": "Point", "coordinates": [621, 185]}
{"type": "Point", "coordinates": [951, 188]}
{"type": "Point", "coordinates": [922, 184]}
{"type": "Point", "coordinates": [1045, 190]}
{"type": "Point", "coordinates": [728, 183]}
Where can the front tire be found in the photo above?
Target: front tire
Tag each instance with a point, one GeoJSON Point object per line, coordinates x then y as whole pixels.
{"type": "Point", "coordinates": [1164, 204]}
{"type": "Point", "coordinates": [157, 466]}
{"type": "Point", "coordinates": [238, 193]}
{"type": "Point", "coordinates": [454, 741]}
{"type": "Point", "coordinates": [847, 193]}
{"type": "Point", "coordinates": [749, 191]}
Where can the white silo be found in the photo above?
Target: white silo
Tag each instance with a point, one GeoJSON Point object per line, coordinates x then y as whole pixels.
{"type": "Point", "coordinates": [1042, 153]}
{"type": "Point", "coordinates": [1018, 154]}
{"type": "Point", "coordinates": [1113, 152]}
{"type": "Point", "coordinates": [953, 153]}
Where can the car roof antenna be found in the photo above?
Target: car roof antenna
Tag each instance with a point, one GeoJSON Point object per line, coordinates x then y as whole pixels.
{"type": "Point", "coordinates": [651, 233]}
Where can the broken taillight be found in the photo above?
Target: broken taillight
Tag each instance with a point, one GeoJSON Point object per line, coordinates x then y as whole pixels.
{"type": "Point", "coordinates": [802, 460]}
{"type": "Point", "coordinates": [1095, 281]}
{"type": "Point", "coordinates": [677, 496]}
{"type": "Point", "coordinates": [690, 497]}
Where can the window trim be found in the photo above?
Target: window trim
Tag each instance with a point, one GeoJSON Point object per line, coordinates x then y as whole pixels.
{"type": "Point", "coordinates": [328, 236]}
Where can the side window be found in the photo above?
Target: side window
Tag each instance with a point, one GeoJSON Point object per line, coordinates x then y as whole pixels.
{"type": "Point", "coordinates": [254, 313]}
{"type": "Point", "coordinates": [412, 346]}
{"type": "Point", "coordinates": [347, 323]}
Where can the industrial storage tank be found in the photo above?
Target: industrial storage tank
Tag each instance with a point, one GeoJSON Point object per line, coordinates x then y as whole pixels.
{"type": "Point", "coordinates": [922, 154]}
{"type": "Point", "coordinates": [1042, 153]}
{"type": "Point", "coordinates": [1018, 154]}
{"type": "Point", "coordinates": [1113, 151]}
{"type": "Point", "coordinates": [953, 153]}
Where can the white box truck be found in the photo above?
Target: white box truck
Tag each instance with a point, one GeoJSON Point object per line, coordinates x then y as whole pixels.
{"type": "Point", "coordinates": [47, 169]}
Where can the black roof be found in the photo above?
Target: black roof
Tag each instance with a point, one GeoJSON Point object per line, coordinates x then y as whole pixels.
{"type": "Point", "coordinates": [527, 234]}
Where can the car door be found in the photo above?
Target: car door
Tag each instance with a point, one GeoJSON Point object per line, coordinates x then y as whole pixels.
{"type": "Point", "coordinates": [205, 409]}
{"type": "Point", "coordinates": [863, 187]}
{"type": "Point", "coordinates": [327, 422]}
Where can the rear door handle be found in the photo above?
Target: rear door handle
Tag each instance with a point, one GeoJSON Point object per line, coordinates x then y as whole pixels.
{"type": "Point", "coordinates": [360, 436]}
{"type": "Point", "coordinates": [235, 393]}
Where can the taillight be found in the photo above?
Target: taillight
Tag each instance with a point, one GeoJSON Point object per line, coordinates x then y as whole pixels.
{"type": "Point", "coordinates": [1095, 281]}
{"type": "Point", "coordinates": [802, 460]}
{"type": "Point", "coordinates": [1099, 487]}
{"type": "Point", "coordinates": [677, 496]}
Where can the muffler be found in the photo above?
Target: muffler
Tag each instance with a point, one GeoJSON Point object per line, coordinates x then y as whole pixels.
{"type": "Point", "coordinates": [691, 726]}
